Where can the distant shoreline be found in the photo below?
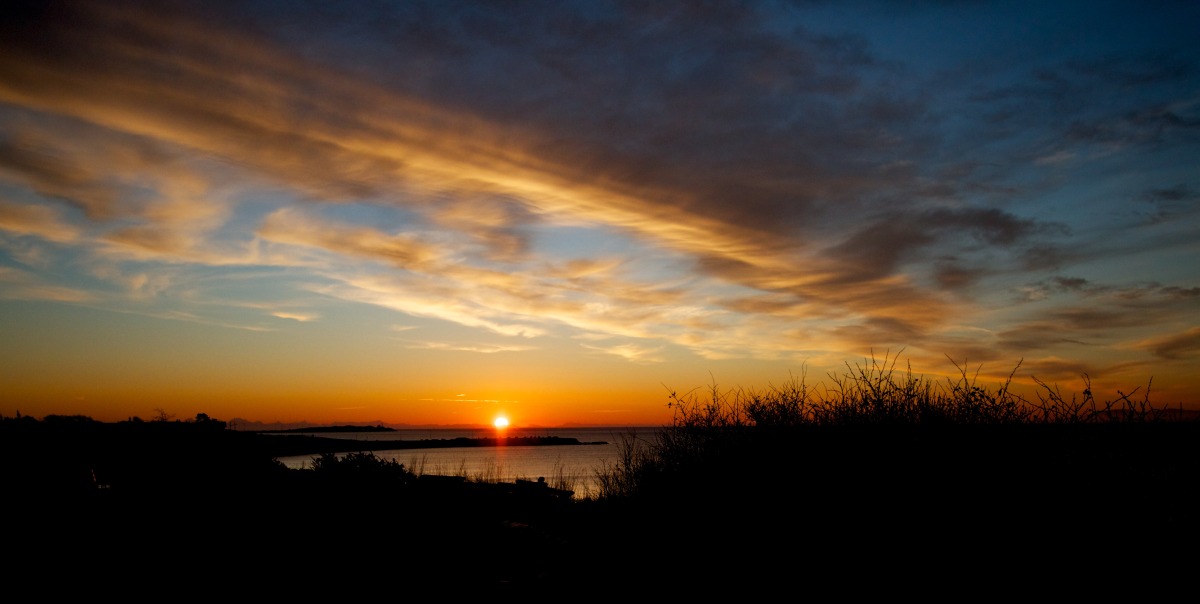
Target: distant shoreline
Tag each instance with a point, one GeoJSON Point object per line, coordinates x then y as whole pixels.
{"type": "Point", "coordinates": [327, 429]}
{"type": "Point", "coordinates": [244, 425]}
{"type": "Point", "coordinates": [315, 445]}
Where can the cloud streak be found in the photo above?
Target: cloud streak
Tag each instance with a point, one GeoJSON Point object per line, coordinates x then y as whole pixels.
{"type": "Point", "coordinates": [743, 180]}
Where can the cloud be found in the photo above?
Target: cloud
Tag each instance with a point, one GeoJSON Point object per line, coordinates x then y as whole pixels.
{"type": "Point", "coordinates": [631, 352]}
{"type": "Point", "coordinates": [16, 284]}
{"type": "Point", "coordinates": [1177, 346]}
{"type": "Point", "coordinates": [295, 227]}
{"type": "Point", "coordinates": [879, 332]}
{"type": "Point", "coordinates": [1046, 288]}
{"type": "Point", "coordinates": [393, 293]}
{"type": "Point", "coordinates": [1080, 313]}
{"type": "Point", "coordinates": [480, 348]}
{"type": "Point", "coordinates": [296, 316]}
{"type": "Point", "coordinates": [1052, 369]}
{"type": "Point", "coordinates": [1171, 204]}
{"type": "Point", "coordinates": [1178, 192]}
{"type": "Point", "coordinates": [1039, 336]}
{"type": "Point", "coordinates": [711, 199]}
{"type": "Point", "coordinates": [812, 187]}
{"type": "Point", "coordinates": [884, 245]}
{"type": "Point", "coordinates": [1151, 125]}
{"type": "Point", "coordinates": [138, 197]}
{"type": "Point", "coordinates": [47, 172]}
{"type": "Point", "coordinates": [499, 225]}
{"type": "Point", "coordinates": [1057, 157]}
{"type": "Point", "coordinates": [40, 221]}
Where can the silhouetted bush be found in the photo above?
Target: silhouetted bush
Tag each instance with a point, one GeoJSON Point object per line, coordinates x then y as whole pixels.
{"type": "Point", "coordinates": [884, 458]}
{"type": "Point", "coordinates": [359, 466]}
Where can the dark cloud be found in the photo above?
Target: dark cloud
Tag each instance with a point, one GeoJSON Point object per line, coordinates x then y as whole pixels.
{"type": "Point", "coordinates": [1097, 318]}
{"type": "Point", "coordinates": [1089, 315]}
{"type": "Point", "coordinates": [1070, 283]}
{"type": "Point", "coordinates": [711, 108]}
{"type": "Point", "coordinates": [1181, 293]}
{"type": "Point", "coordinates": [1052, 370]}
{"type": "Point", "coordinates": [1171, 203]}
{"type": "Point", "coordinates": [970, 354]}
{"type": "Point", "coordinates": [806, 162]}
{"type": "Point", "coordinates": [157, 74]}
{"type": "Point", "coordinates": [91, 169]}
{"type": "Point", "coordinates": [1151, 295]}
{"type": "Point", "coordinates": [880, 248]}
{"type": "Point", "coordinates": [1060, 285]}
{"type": "Point", "coordinates": [1180, 192]}
{"type": "Point", "coordinates": [1044, 257]}
{"type": "Point", "coordinates": [949, 274]}
{"type": "Point", "coordinates": [881, 331]}
{"type": "Point", "coordinates": [1184, 345]}
{"type": "Point", "coordinates": [56, 178]}
{"type": "Point", "coordinates": [1126, 73]}
{"type": "Point", "coordinates": [1148, 125]}
{"type": "Point", "coordinates": [1038, 336]}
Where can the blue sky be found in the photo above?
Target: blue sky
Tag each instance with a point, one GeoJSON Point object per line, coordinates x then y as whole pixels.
{"type": "Point", "coordinates": [555, 208]}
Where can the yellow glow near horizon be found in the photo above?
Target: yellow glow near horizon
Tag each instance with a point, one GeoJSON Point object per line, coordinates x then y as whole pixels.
{"type": "Point", "coordinates": [501, 422]}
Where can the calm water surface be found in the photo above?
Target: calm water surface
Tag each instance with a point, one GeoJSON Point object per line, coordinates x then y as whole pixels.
{"type": "Point", "coordinates": [577, 464]}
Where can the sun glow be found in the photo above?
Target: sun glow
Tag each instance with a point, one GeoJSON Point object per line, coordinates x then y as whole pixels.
{"type": "Point", "coordinates": [501, 422]}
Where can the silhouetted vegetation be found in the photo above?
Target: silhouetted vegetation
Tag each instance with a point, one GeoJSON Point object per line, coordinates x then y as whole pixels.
{"type": "Point", "coordinates": [880, 474]}
{"type": "Point", "coordinates": [903, 475]}
{"type": "Point", "coordinates": [884, 406]}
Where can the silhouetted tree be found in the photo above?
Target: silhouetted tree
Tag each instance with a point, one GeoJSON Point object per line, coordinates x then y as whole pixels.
{"type": "Point", "coordinates": [205, 422]}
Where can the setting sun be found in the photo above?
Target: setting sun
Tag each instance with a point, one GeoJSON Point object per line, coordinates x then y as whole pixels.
{"type": "Point", "coordinates": [501, 422]}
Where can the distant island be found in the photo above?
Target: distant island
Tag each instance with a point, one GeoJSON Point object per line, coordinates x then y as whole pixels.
{"type": "Point", "coordinates": [293, 444]}
{"type": "Point", "coordinates": [300, 441]}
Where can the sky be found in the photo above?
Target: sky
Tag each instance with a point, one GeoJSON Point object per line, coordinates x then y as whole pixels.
{"type": "Point", "coordinates": [439, 212]}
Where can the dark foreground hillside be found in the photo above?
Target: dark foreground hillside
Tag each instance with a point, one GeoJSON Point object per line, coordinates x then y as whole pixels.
{"type": "Point", "coordinates": [851, 510]}
{"type": "Point", "coordinates": [172, 503]}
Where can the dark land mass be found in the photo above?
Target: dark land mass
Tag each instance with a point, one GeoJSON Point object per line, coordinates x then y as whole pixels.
{"type": "Point", "coordinates": [314, 445]}
{"type": "Point", "coordinates": [322, 429]}
{"type": "Point", "coordinates": [163, 508]}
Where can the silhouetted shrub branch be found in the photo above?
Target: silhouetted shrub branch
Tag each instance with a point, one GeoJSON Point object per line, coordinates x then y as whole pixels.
{"type": "Point", "coordinates": [714, 431]}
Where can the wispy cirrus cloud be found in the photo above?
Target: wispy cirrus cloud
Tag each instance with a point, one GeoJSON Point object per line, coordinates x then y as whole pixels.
{"type": "Point", "coordinates": [22, 285]}
{"type": "Point", "coordinates": [631, 352]}
{"type": "Point", "coordinates": [302, 317]}
{"type": "Point", "coordinates": [41, 221]}
{"type": "Point", "coordinates": [480, 348]}
{"type": "Point", "coordinates": [742, 180]}
{"type": "Point", "coordinates": [1185, 345]}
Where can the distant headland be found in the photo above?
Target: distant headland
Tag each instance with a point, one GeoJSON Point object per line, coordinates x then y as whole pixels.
{"type": "Point", "coordinates": [303, 444]}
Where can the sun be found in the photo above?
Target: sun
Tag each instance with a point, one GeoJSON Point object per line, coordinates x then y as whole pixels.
{"type": "Point", "coordinates": [501, 422]}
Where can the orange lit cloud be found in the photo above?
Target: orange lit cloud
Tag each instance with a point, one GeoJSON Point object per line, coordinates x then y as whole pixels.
{"type": "Point", "coordinates": [1183, 345]}
{"type": "Point", "coordinates": [656, 185]}
{"type": "Point", "coordinates": [41, 221]}
{"type": "Point", "coordinates": [296, 316]}
{"type": "Point", "coordinates": [631, 352]}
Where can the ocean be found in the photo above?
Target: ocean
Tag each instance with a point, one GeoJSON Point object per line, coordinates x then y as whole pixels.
{"type": "Point", "coordinates": [574, 465]}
